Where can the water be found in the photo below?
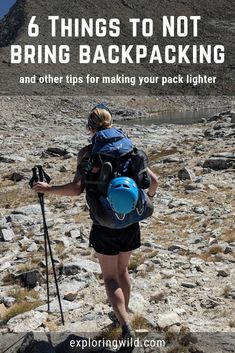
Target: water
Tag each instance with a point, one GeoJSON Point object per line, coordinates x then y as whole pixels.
{"type": "Point", "coordinates": [178, 118]}
{"type": "Point", "coordinates": [5, 6]}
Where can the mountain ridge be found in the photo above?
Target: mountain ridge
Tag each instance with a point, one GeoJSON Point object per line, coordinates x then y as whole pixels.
{"type": "Point", "coordinates": [216, 27]}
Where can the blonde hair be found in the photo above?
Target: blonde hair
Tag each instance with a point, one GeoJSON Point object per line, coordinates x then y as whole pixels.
{"type": "Point", "coordinates": [99, 119]}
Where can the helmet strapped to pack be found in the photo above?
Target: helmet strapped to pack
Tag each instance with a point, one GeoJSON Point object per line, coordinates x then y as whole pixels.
{"type": "Point", "coordinates": [123, 195]}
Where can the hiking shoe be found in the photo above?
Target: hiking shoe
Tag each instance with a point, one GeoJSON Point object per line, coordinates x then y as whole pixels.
{"type": "Point", "coordinates": [105, 177]}
{"type": "Point", "coordinates": [128, 335]}
{"type": "Point", "coordinates": [127, 332]}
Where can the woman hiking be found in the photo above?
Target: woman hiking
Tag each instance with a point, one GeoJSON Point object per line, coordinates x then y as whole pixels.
{"type": "Point", "coordinates": [113, 235]}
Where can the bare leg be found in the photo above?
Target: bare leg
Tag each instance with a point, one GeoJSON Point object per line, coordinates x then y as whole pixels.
{"type": "Point", "coordinates": [109, 267]}
{"type": "Point", "coordinates": [124, 278]}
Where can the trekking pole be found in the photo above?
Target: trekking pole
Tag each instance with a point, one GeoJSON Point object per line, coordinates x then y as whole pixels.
{"type": "Point", "coordinates": [40, 175]}
{"type": "Point", "coordinates": [13, 344]}
{"type": "Point", "coordinates": [41, 200]}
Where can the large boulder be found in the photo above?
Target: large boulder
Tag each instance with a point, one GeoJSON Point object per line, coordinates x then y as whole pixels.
{"type": "Point", "coordinates": [72, 268]}
{"type": "Point", "coordinates": [185, 174]}
{"type": "Point", "coordinates": [168, 319]}
{"type": "Point", "coordinates": [29, 279]}
{"type": "Point", "coordinates": [31, 320]}
{"type": "Point", "coordinates": [66, 306]}
{"type": "Point", "coordinates": [218, 163]}
{"type": "Point", "coordinates": [7, 235]}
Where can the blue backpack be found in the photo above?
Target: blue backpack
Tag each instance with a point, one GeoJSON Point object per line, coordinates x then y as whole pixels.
{"type": "Point", "coordinates": [113, 146]}
{"type": "Point", "coordinates": [111, 142]}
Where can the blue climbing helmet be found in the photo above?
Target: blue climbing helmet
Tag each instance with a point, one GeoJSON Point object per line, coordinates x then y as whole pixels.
{"type": "Point", "coordinates": [122, 194]}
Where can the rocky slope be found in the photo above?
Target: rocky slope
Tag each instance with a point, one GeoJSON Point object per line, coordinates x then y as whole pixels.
{"type": "Point", "coordinates": [11, 23]}
{"type": "Point", "coordinates": [183, 275]}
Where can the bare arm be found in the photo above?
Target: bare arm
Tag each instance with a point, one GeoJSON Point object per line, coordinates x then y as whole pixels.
{"type": "Point", "coordinates": [70, 189]}
{"type": "Point", "coordinates": [75, 188]}
{"type": "Point", "coordinates": [153, 183]}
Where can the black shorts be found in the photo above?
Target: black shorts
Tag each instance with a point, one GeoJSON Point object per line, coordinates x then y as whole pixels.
{"type": "Point", "coordinates": [109, 241]}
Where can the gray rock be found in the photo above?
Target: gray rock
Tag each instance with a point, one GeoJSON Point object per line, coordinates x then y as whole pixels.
{"type": "Point", "coordinates": [223, 273]}
{"type": "Point", "coordinates": [178, 203]}
{"type": "Point", "coordinates": [73, 287]}
{"type": "Point", "coordinates": [199, 210]}
{"type": "Point", "coordinates": [7, 234]}
{"type": "Point", "coordinates": [209, 303]}
{"type": "Point", "coordinates": [209, 133]}
{"type": "Point", "coordinates": [63, 241]}
{"type": "Point", "coordinates": [195, 261]}
{"type": "Point", "coordinates": [142, 267]}
{"type": "Point", "coordinates": [29, 210]}
{"type": "Point", "coordinates": [216, 233]}
{"type": "Point", "coordinates": [228, 249]}
{"type": "Point", "coordinates": [188, 284]}
{"type": "Point", "coordinates": [29, 279]}
{"type": "Point", "coordinates": [16, 177]}
{"type": "Point", "coordinates": [63, 169]}
{"type": "Point", "coordinates": [5, 266]}
{"type": "Point", "coordinates": [72, 268]}
{"type": "Point", "coordinates": [167, 273]}
{"type": "Point", "coordinates": [20, 220]}
{"type": "Point", "coordinates": [212, 241]}
{"type": "Point", "coordinates": [68, 155]}
{"type": "Point", "coordinates": [90, 317]}
{"type": "Point", "coordinates": [3, 222]}
{"type": "Point", "coordinates": [185, 174]}
{"type": "Point", "coordinates": [217, 163]}
{"type": "Point", "coordinates": [176, 248]}
{"type": "Point", "coordinates": [11, 159]}
{"type": "Point", "coordinates": [33, 247]}
{"type": "Point", "coordinates": [217, 117]}
{"type": "Point", "coordinates": [172, 160]}
{"type": "Point", "coordinates": [207, 171]}
{"type": "Point", "coordinates": [54, 306]}
{"type": "Point", "coordinates": [70, 296]}
{"type": "Point", "coordinates": [56, 151]}
{"type": "Point", "coordinates": [24, 241]}
{"type": "Point", "coordinates": [168, 319]}
{"type": "Point", "coordinates": [194, 187]}
{"type": "Point", "coordinates": [75, 233]}
{"type": "Point", "coordinates": [164, 198]}
{"type": "Point", "coordinates": [197, 240]}
{"type": "Point", "coordinates": [228, 155]}
{"type": "Point", "coordinates": [138, 303]}
{"type": "Point", "coordinates": [9, 301]}
{"type": "Point", "coordinates": [158, 296]}
{"type": "Point", "coordinates": [31, 320]}
{"type": "Point", "coordinates": [129, 112]}
{"type": "Point", "coordinates": [172, 283]}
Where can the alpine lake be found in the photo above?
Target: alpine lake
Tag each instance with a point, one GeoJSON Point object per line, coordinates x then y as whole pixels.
{"type": "Point", "coordinates": [186, 117]}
